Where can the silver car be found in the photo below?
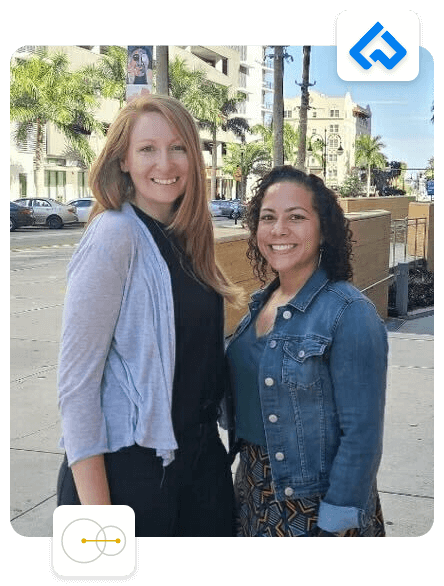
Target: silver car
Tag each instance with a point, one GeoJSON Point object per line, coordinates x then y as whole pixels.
{"type": "Point", "coordinates": [49, 212]}
{"type": "Point", "coordinates": [83, 206]}
{"type": "Point", "coordinates": [221, 207]}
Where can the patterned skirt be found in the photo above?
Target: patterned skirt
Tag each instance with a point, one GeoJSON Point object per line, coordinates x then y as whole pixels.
{"type": "Point", "coordinates": [260, 515]}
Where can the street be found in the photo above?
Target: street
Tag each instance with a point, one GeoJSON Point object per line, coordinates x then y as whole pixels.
{"type": "Point", "coordinates": [40, 236]}
{"type": "Point", "coordinates": [39, 258]}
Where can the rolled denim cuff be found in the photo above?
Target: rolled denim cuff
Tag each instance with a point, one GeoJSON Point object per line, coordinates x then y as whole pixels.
{"type": "Point", "coordinates": [333, 518]}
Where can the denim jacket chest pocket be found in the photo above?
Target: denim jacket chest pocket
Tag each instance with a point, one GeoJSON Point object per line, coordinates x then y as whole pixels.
{"type": "Point", "coordinates": [304, 358]}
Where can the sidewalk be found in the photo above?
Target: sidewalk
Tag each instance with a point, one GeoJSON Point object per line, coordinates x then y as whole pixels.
{"type": "Point", "coordinates": [405, 479]}
{"type": "Point", "coordinates": [406, 473]}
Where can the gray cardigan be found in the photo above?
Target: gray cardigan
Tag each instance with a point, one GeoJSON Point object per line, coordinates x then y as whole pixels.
{"type": "Point", "coordinates": [117, 353]}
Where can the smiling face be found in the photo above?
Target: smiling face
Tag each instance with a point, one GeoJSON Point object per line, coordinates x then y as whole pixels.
{"type": "Point", "coordinates": [288, 232]}
{"type": "Point", "coordinates": [158, 165]}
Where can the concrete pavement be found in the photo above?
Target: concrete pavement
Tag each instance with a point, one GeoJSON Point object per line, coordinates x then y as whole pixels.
{"type": "Point", "coordinates": [406, 473]}
{"type": "Point", "coordinates": [405, 477]}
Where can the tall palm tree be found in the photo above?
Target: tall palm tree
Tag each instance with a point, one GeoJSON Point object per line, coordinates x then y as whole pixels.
{"type": "Point", "coordinates": [244, 157]}
{"type": "Point", "coordinates": [43, 91]}
{"type": "Point", "coordinates": [210, 103]}
{"type": "Point", "coordinates": [217, 117]}
{"type": "Point", "coordinates": [112, 73]}
{"type": "Point", "coordinates": [290, 141]}
{"type": "Point", "coordinates": [186, 85]}
{"type": "Point", "coordinates": [278, 107]}
{"type": "Point", "coordinates": [368, 154]}
{"type": "Point", "coordinates": [302, 153]}
{"type": "Point", "coordinates": [162, 82]}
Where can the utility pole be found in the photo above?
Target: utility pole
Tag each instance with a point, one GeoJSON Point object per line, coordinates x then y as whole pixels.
{"type": "Point", "coordinates": [278, 107]}
{"type": "Point", "coordinates": [304, 108]}
{"type": "Point", "coordinates": [162, 80]}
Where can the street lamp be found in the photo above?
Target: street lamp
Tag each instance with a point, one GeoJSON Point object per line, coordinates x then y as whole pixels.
{"type": "Point", "coordinates": [339, 150]}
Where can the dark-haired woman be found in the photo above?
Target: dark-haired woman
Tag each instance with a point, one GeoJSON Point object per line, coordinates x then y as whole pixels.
{"type": "Point", "coordinates": [308, 366]}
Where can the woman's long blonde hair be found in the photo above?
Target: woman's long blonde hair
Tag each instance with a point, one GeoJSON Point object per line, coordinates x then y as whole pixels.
{"type": "Point", "coordinates": [191, 221]}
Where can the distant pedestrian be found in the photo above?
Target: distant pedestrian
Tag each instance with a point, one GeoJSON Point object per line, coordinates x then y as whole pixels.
{"type": "Point", "coordinates": [308, 365]}
{"type": "Point", "coordinates": [142, 365]}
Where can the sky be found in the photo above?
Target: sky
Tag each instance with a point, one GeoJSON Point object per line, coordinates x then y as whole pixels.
{"type": "Point", "coordinates": [401, 111]}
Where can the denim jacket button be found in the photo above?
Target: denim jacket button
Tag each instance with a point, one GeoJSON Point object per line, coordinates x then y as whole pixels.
{"type": "Point", "coordinates": [288, 491]}
{"type": "Point", "coordinates": [286, 314]}
{"type": "Point", "coordinates": [269, 381]}
{"type": "Point", "coordinates": [272, 418]}
{"type": "Point", "coordinates": [279, 456]}
{"type": "Point", "coordinates": [301, 354]}
{"type": "Point", "coordinates": [273, 344]}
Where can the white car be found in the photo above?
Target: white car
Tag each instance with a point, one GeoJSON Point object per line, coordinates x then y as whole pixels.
{"type": "Point", "coordinates": [49, 212]}
{"type": "Point", "coordinates": [84, 205]}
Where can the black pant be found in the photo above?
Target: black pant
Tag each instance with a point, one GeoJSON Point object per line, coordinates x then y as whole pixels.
{"type": "Point", "coordinates": [191, 497]}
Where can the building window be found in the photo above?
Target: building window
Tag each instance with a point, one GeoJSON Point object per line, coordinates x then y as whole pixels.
{"type": "Point", "coordinates": [334, 113]}
{"type": "Point", "coordinates": [333, 142]}
{"type": "Point", "coordinates": [314, 114]}
{"type": "Point", "coordinates": [82, 184]}
{"type": "Point", "coordinates": [334, 127]}
{"type": "Point", "coordinates": [287, 114]}
{"type": "Point", "coordinates": [242, 76]}
{"type": "Point", "coordinates": [55, 182]}
{"type": "Point", "coordinates": [22, 185]}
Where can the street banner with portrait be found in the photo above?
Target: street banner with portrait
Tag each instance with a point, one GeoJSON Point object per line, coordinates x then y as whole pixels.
{"type": "Point", "coordinates": [139, 76]}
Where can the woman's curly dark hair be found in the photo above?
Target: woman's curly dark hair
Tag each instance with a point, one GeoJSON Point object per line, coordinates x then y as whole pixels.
{"type": "Point", "coordinates": [335, 229]}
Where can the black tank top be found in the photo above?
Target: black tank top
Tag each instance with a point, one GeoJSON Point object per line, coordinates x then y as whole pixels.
{"type": "Point", "coordinates": [198, 317]}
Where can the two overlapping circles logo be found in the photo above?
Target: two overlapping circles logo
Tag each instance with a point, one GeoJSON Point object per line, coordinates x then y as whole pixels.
{"type": "Point", "coordinates": [84, 540]}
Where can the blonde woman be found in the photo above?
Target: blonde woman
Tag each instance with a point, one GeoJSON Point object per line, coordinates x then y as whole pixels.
{"type": "Point", "coordinates": [141, 371]}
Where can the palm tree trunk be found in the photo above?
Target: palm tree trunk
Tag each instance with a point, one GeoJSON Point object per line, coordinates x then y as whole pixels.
{"type": "Point", "coordinates": [162, 81]}
{"type": "Point", "coordinates": [39, 174]}
{"type": "Point", "coordinates": [304, 109]}
{"type": "Point", "coordinates": [368, 180]}
{"type": "Point", "coordinates": [278, 107]}
{"type": "Point", "coordinates": [214, 164]}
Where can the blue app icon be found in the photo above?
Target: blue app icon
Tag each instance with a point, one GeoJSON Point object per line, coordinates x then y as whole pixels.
{"type": "Point", "coordinates": [378, 55]}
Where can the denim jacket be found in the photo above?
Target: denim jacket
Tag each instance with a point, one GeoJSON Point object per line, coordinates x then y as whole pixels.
{"type": "Point", "coordinates": [322, 380]}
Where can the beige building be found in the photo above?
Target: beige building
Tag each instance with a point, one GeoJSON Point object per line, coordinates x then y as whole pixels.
{"type": "Point", "coordinates": [333, 122]}
{"type": "Point", "coordinates": [65, 177]}
{"type": "Point", "coordinates": [242, 68]}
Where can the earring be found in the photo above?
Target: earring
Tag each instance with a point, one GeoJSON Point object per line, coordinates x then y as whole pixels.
{"type": "Point", "coordinates": [321, 250]}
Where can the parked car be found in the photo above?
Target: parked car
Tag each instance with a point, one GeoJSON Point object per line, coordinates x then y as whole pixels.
{"type": "Point", "coordinates": [239, 208]}
{"type": "Point", "coordinates": [20, 216]}
{"type": "Point", "coordinates": [215, 208]}
{"type": "Point", "coordinates": [49, 212]}
{"type": "Point", "coordinates": [83, 207]}
{"type": "Point", "coordinates": [388, 191]}
{"type": "Point", "coordinates": [226, 207]}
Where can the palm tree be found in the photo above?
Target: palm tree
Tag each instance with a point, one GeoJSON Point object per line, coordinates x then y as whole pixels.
{"type": "Point", "coordinates": [210, 103]}
{"type": "Point", "coordinates": [278, 107]}
{"type": "Point", "coordinates": [368, 154]}
{"type": "Point", "coordinates": [216, 116]}
{"type": "Point", "coordinates": [112, 73]}
{"type": "Point", "coordinates": [162, 84]}
{"type": "Point", "coordinates": [290, 141]}
{"type": "Point", "coordinates": [316, 149]}
{"type": "Point", "coordinates": [302, 153]}
{"type": "Point", "coordinates": [186, 85]}
{"type": "Point", "coordinates": [244, 157]}
{"type": "Point", "coordinates": [43, 91]}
